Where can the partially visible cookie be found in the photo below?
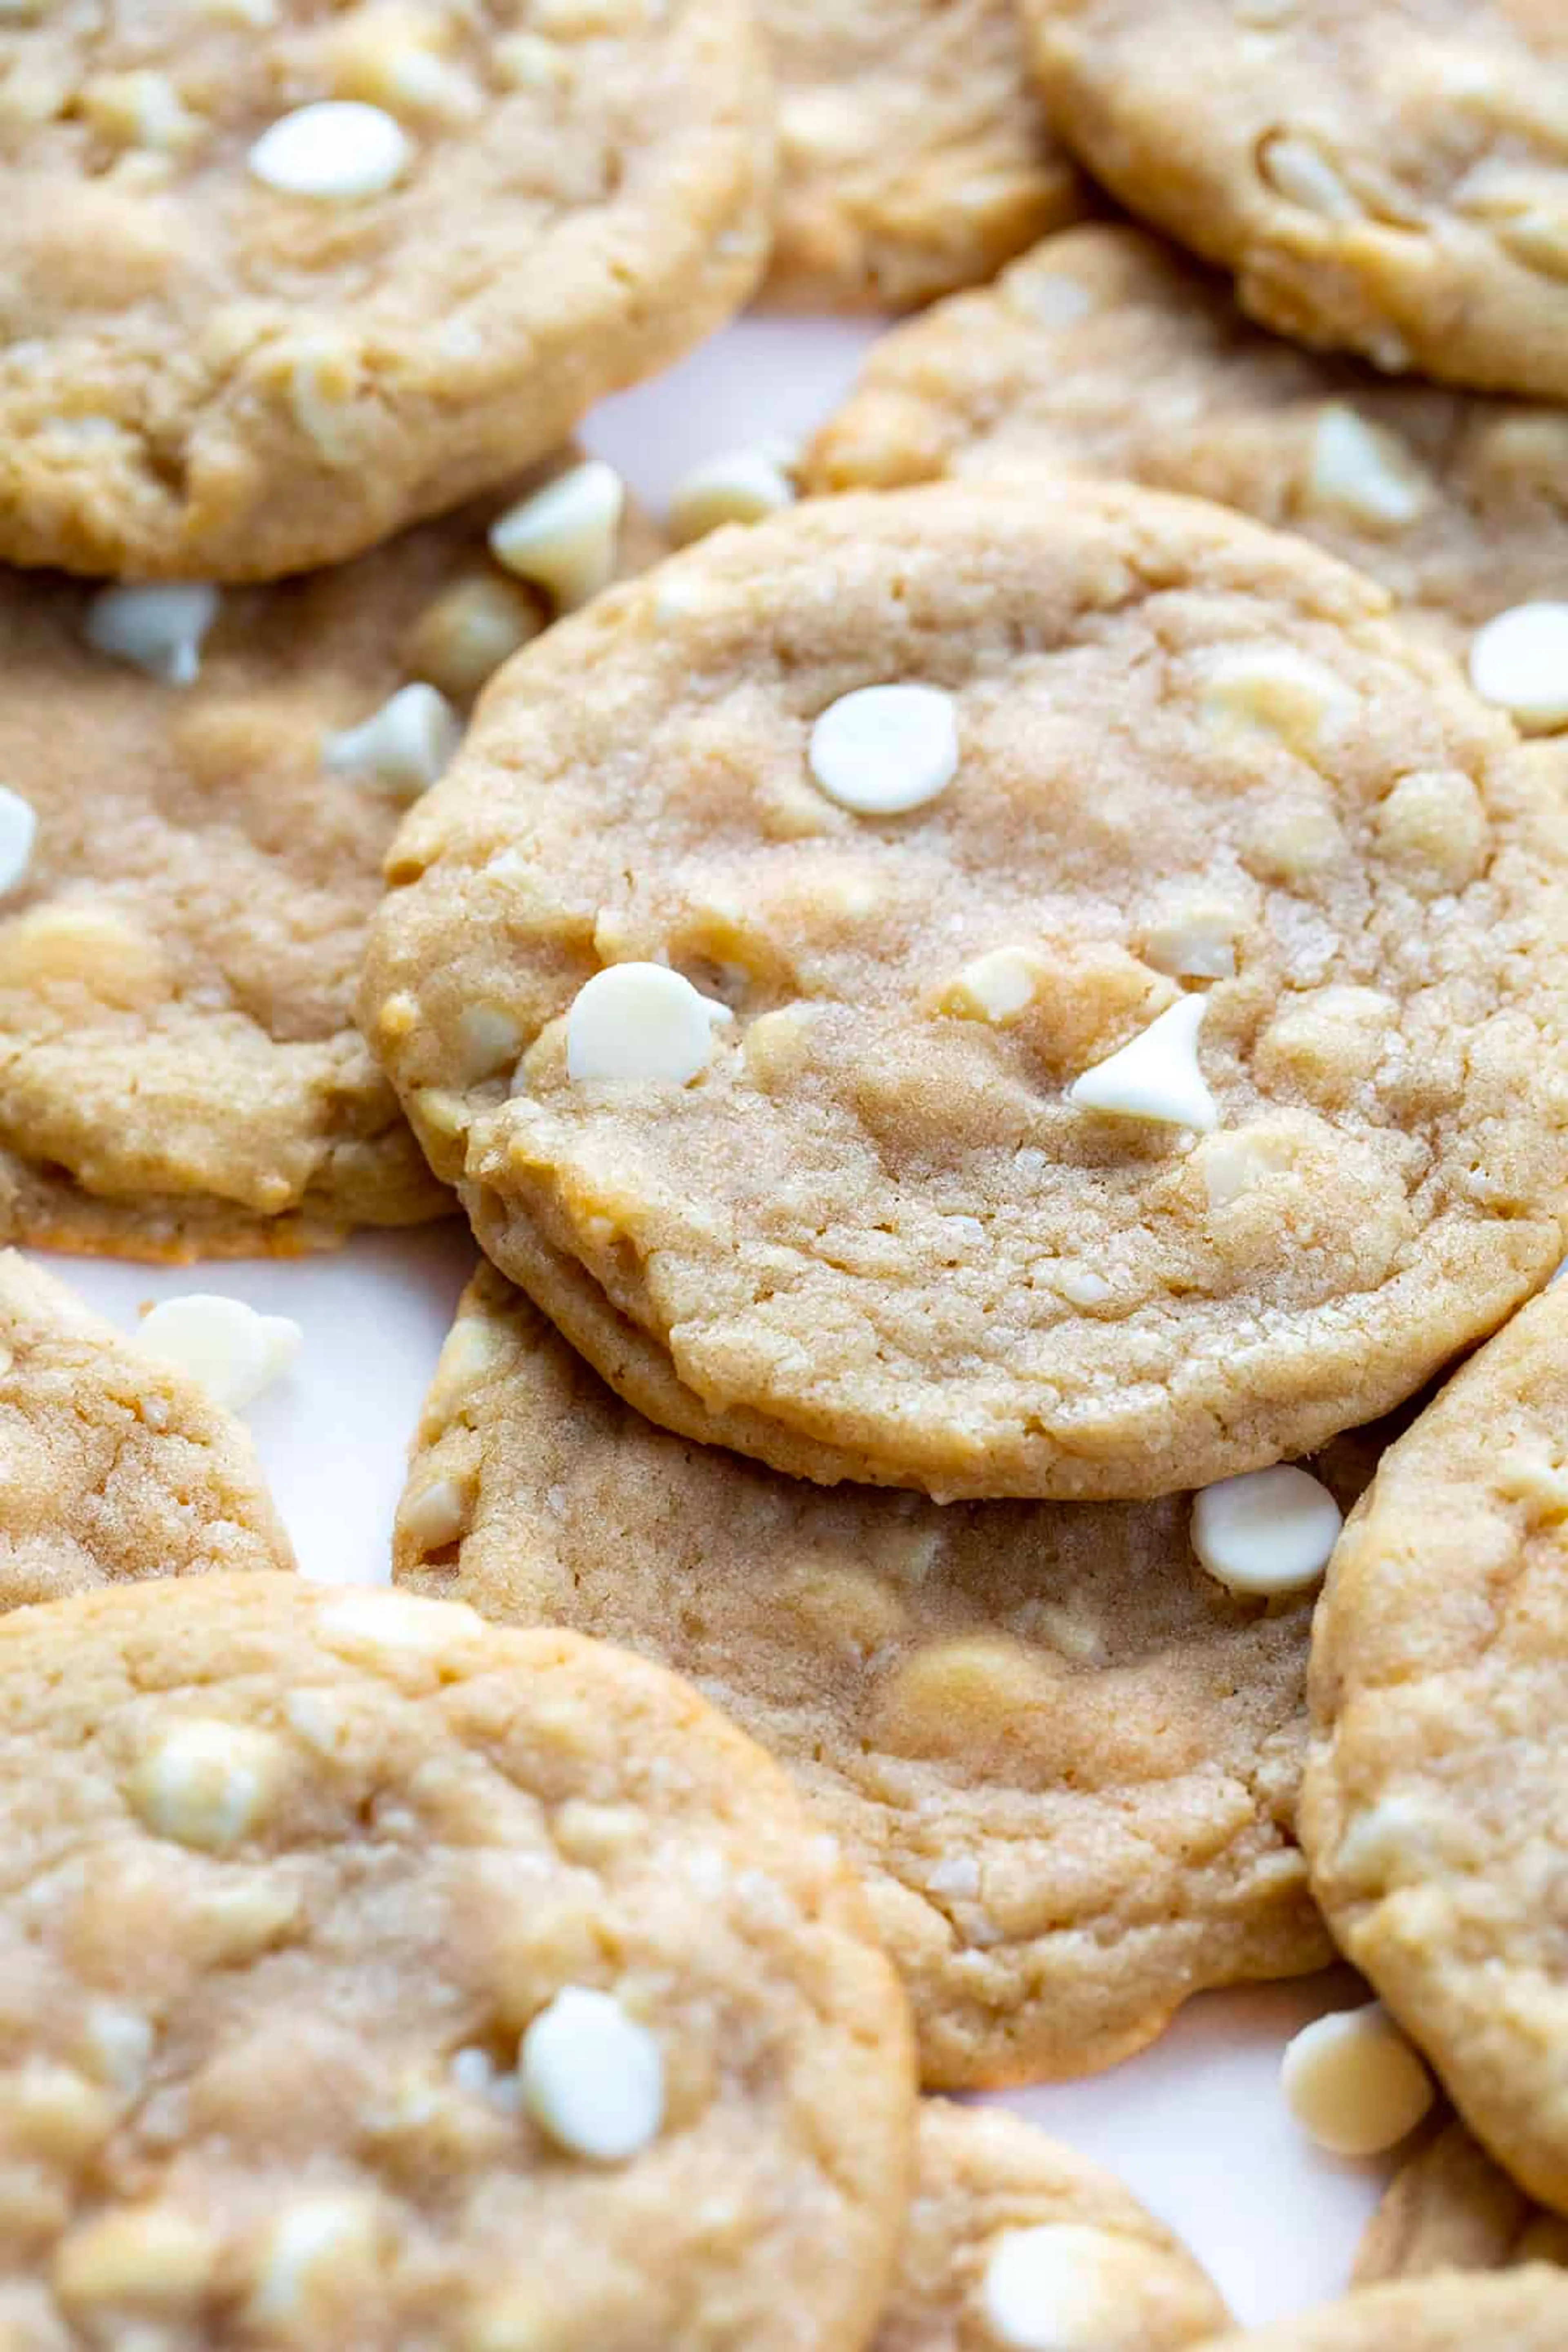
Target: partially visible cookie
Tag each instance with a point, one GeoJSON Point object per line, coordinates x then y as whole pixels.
{"type": "Point", "coordinates": [278, 281]}
{"type": "Point", "coordinates": [1013, 2240]}
{"type": "Point", "coordinates": [914, 154]}
{"type": "Point", "coordinates": [1038, 995]}
{"type": "Point", "coordinates": [1386, 177]}
{"type": "Point", "coordinates": [1431, 1811]}
{"type": "Point", "coordinates": [377, 1977]}
{"type": "Point", "coordinates": [1062, 1756]}
{"type": "Point", "coordinates": [1106, 353]}
{"type": "Point", "coordinates": [1450, 2207]}
{"type": "Point", "coordinates": [180, 1073]}
{"type": "Point", "coordinates": [1525, 2310]}
{"type": "Point", "coordinates": [113, 1467]}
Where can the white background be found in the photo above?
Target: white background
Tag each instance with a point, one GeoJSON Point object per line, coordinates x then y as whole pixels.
{"type": "Point", "coordinates": [1197, 2125]}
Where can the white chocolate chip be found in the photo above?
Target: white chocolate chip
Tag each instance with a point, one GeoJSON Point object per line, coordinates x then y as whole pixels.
{"type": "Point", "coordinates": [1057, 2287]}
{"type": "Point", "coordinates": [996, 986]}
{"type": "Point", "coordinates": [886, 748]}
{"type": "Point", "coordinates": [1195, 942]}
{"type": "Point", "coordinates": [1394, 1842]}
{"type": "Point", "coordinates": [141, 109]}
{"type": "Point", "coordinates": [743, 486]}
{"type": "Point", "coordinates": [316, 2241]}
{"type": "Point", "coordinates": [1156, 1076]}
{"type": "Point", "coordinates": [491, 1039]}
{"type": "Point", "coordinates": [206, 1782]}
{"type": "Point", "coordinates": [1232, 1163]}
{"type": "Point", "coordinates": [405, 745]}
{"type": "Point", "coordinates": [1365, 473]}
{"type": "Point", "coordinates": [564, 536]}
{"type": "Point", "coordinates": [228, 1349]}
{"type": "Point", "coordinates": [592, 2077]}
{"type": "Point", "coordinates": [1267, 1531]}
{"type": "Point", "coordinates": [396, 1624]}
{"type": "Point", "coordinates": [336, 148]}
{"type": "Point", "coordinates": [1277, 691]}
{"type": "Point", "coordinates": [1047, 297]}
{"type": "Point", "coordinates": [159, 630]}
{"type": "Point", "coordinates": [121, 2041]}
{"type": "Point", "coordinates": [1520, 660]}
{"type": "Point", "coordinates": [640, 1021]}
{"type": "Point", "coordinates": [146, 2258]}
{"type": "Point", "coordinates": [1354, 2083]}
{"type": "Point", "coordinates": [18, 831]}
{"type": "Point", "coordinates": [1301, 172]}
{"type": "Point", "coordinates": [462, 639]}
{"type": "Point", "coordinates": [438, 1514]}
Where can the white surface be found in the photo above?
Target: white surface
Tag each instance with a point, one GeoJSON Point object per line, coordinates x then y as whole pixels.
{"type": "Point", "coordinates": [1196, 2125]}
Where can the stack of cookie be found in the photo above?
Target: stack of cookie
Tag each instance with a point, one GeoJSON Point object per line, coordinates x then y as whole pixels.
{"type": "Point", "coordinates": [998, 1030]}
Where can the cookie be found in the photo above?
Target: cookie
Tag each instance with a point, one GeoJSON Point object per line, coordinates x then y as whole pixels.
{"type": "Point", "coordinates": [1013, 2240]}
{"type": "Point", "coordinates": [113, 1467]}
{"type": "Point", "coordinates": [914, 156]}
{"type": "Point", "coordinates": [1386, 179]}
{"type": "Point", "coordinates": [1039, 995]}
{"type": "Point", "coordinates": [1105, 352]}
{"type": "Point", "coordinates": [279, 281]}
{"type": "Point", "coordinates": [1429, 1813]}
{"type": "Point", "coordinates": [1063, 1758]}
{"type": "Point", "coordinates": [1526, 2310]}
{"type": "Point", "coordinates": [180, 1073]}
{"type": "Point", "coordinates": [1449, 2208]}
{"type": "Point", "coordinates": [377, 1976]}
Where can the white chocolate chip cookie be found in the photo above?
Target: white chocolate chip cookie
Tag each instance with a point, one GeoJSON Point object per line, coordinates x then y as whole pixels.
{"type": "Point", "coordinates": [1450, 2207]}
{"type": "Point", "coordinates": [1063, 1759]}
{"type": "Point", "coordinates": [1106, 353]}
{"type": "Point", "coordinates": [1134, 975]}
{"type": "Point", "coordinates": [1431, 1812]}
{"type": "Point", "coordinates": [214, 781]}
{"type": "Point", "coordinates": [279, 280]}
{"type": "Point", "coordinates": [1382, 176]}
{"type": "Point", "coordinates": [1014, 2243]}
{"type": "Point", "coordinates": [113, 1468]}
{"type": "Point", "coordinates": [377, 1977]}
{"type": "Point", "coordinates": [1454, 2311]}
{"type": "Point", "coordinates": [914, 156]}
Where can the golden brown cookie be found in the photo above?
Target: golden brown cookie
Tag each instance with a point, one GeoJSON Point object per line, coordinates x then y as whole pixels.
{"type": "Point", "coordinates": [1042, 995]}
{"type": "Point", "coordinates": [179, 1074]}
{"type": "Point", "coordinates": [1450, 2207]}
{"type": "Point", "coordinates": [1526, 2310]}
{"type": "Point", "coordinates": [1106, 353]}
{"type": "Point", "coordinates": [1064, 1759]}
{"type": "Point", "coordinates": [1381, 176]}
{"type": "Point", "coordinates": [914, 154]}
{"type": "Point", "coordinates": [280, 280]}
{"type": "Point", "coordinates": [375, 1976]}
{"type": "Point", "coordinates": [1014, 2239]}
{"type": "Point", "coordinates": [1430, 1813]}
{"type": "Point", "coordinates": [113, 1467]}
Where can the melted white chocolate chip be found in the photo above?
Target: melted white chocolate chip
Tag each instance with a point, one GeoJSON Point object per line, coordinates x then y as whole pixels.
{"type": "Point", "coordinates": [228, 1349]}
{"type": "Point", "coordinates": [592, 2077]}
{"type": "Point", "coordinates": [206, 1783]}
{"type": "Point", "coordinates": [1519, 660]}
{"type": "Point", "coordinates": [1365, 473]}
{"type": "Point", "coordinates": [886, 748]}
{"type": "Point", "coordinates": [1267, 1531]}
{"type": "Point", "coordinates": [1354, 2083]}
{"type": "Point", "coordinates": [1062, 2286]}
{"type": "Point", "coordinates": [1156, 1076]}
{"type": "Point", "coordinates": [640, 1021]}
{"type": "Point", "coordinates": [563, 538]}
{"type": "Point", "coordinates": [159, 630]}
{"type": "Point", "coordinates": [743, 486]}
{"type": "Point", "coordinates": [332, 151]}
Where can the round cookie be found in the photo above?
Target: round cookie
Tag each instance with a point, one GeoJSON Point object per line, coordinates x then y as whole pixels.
{"type": "Point", "coordinates": [1013, 2239]}
{"type": "Point", "coordinates": [1430, 1810]}
{"type": "Point", "coordinates": [180, 1074]}
{"type": "Point", "coordinates": [374, 1975]}
{"type": "Point", "coordinates": [889, 1199]}
{"type": "Point", "coordinates": [914, 154]}
{"type": "Point", "coordinates": [1526, 2309]}
{"type": "Point", "coordinates": [113, 1467]}
{"type": "Point", "coordinates": [1105, 352]}
{"type": "Point", "coordinates": [1449, 2208]}
{"type": "Point", "coordinates": [247, 335]}
{"type": "Point", "coordinates": [1063, 1759]}
{"type": "Point", "coordinates": [1381, 176]}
